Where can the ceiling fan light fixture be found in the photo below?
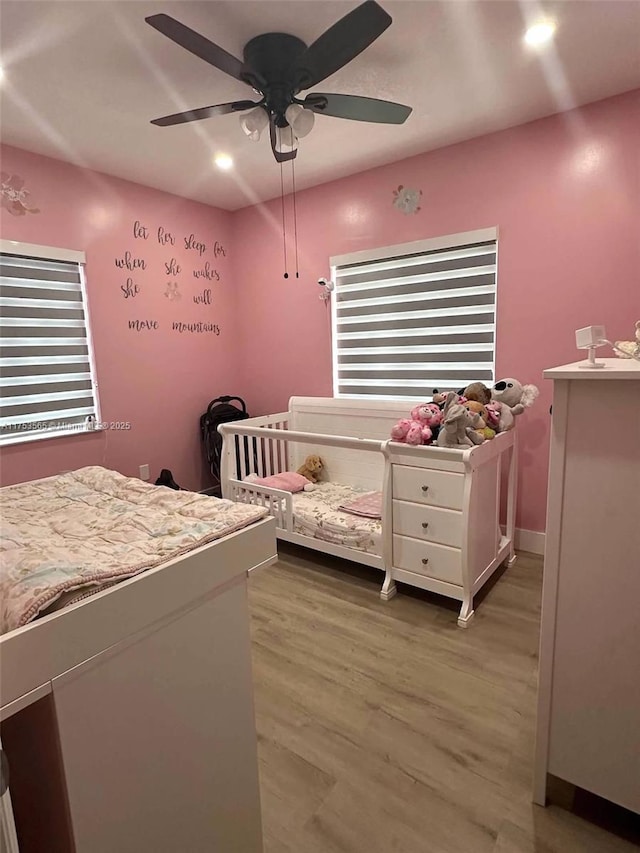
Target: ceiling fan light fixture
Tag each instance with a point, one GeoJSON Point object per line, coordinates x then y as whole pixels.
{"type": "Point", "coordinates": [286, 139]}
{"type": "Point", "coordinates": [300, 120]}
{"type": "Point", "coordinates": [277, 67]}
{"type": "Point", "coordinates": [254, 122]}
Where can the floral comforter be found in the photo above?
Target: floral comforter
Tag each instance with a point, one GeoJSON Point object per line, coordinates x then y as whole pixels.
{"type": "Point", "coordinates": [74, 534]}
{"type": "Point", "coordinates": [316, 514]}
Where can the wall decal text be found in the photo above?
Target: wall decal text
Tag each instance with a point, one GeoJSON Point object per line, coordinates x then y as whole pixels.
{"type": "Point", "coordinates": [207, 272]}
{"type": "Point", "coordinates": [130, 289]}
{"type": "Point", "coordinates": [139, 231]}
{"type": "Point", "coordinates": [172, 267]}
{"type": "Point", "coordinates": [203, 298]}
{"type": "Point", "coordinates": [165, 237]}
{"type": "Point", "coordinates": [128, 261]}
{"type": "Point", "coordinates": [144, 325]}
{"type": "Point", "coordinates": [196, 327]}
{"type": "Point", "coordinates": [218, 250]}
{"type": "Point", "coordinates": [190, 242]}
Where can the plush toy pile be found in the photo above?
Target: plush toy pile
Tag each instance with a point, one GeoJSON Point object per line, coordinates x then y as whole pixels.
{"type": "Point", "coordinates": [469, 417]}
{"type": "Point", "coordinates": [629, 349]}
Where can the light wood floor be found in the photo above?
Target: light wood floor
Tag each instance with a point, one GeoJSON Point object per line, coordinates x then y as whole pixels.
{"type": "Point", "coordinates": [384, 728]}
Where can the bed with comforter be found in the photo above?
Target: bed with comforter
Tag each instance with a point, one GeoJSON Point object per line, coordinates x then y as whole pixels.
{"type": "Point", "coordinates": [67, 537]}
{"type": "Point", "coordinates": [145, 674]}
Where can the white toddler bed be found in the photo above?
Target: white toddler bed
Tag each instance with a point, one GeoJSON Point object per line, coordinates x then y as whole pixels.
{"type": "Point", "coordinates": [440, 520]}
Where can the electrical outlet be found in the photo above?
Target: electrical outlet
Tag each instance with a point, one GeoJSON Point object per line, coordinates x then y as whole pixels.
{"type": "Point", "coordinates": [144, 472]}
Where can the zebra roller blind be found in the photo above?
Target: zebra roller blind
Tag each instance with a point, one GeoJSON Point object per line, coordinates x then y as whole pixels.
{"type": "Point", "coordinates": [411, 318]}
{"type": "Point", "coordinates": [46, 378]}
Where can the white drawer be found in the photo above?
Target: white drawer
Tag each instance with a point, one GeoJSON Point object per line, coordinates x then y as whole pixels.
{"type": "Point", "coordinates": [427, 486]}
{"type": "Point", "coordinates": [427, 558]}
{"type": "Point", "coordinates": [428, 523]}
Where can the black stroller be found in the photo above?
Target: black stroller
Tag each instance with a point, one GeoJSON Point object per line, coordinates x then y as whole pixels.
{"type": "Point", "coordinates": [221, 411]}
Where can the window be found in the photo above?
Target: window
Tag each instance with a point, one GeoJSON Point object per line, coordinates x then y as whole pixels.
{"type": "Point", "coordinates": [47, 381]}
{"type": "Point", "coordinates": [411, 318]}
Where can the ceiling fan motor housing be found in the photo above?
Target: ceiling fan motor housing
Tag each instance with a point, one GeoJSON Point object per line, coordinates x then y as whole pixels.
{"type": "Point", "coordinates": [268, 62]}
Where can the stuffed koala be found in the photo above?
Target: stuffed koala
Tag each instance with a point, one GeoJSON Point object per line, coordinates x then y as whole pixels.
{"type": "Point", "coordinates": [513, 398]}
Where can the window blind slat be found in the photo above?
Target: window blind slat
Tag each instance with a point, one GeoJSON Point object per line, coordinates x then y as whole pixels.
{"type": "Point", "coordinates": [42, 379]}
{"type": "Point", "coordinates": [41, 323]}
{"type": "Point", "coordinates": [406, 324]}
{"type": "Point", "coordinates": [425, 259]}
{"type": "Point", "coordinates": [26, 305]}
{"type": "Point", "coordinates": [46, 376]}
{"type": "Point", "coordinates": [420, 296]}
{"type": "Point", "coordinates": [64, 415]}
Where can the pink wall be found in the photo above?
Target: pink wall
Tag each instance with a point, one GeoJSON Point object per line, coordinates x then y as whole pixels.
{"type": "Point", "coordinates": [161, 380]}
{"type": "Point", "coordinates": [565, 193]}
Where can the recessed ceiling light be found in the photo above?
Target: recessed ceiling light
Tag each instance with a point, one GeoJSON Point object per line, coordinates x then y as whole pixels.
{"type": "Point", "coordinates": [539, 34]}
{"type": "Point", "coordinates": [1, 73]}
{"type": "Point", "coordinates": [223, 161]}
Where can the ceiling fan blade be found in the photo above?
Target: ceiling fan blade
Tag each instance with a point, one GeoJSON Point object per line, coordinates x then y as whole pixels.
{"type": "Point", "coordinates": [281, 156]}
{"type": "Point", "coordinates": [340, 44]}
{"type": "Point", "coordinates": [197, 44]}
{"type": "Point", "coordinates": [357, 108]}
{"type": "Point", "coordinates": [204, 112]}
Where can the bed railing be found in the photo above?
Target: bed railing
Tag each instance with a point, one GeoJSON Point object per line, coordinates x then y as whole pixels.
{"type": "Point", "coordinates": [276, 501]}
{"type": "Point", "coordinates": [262, 446]}
{"type": "Point", "coordinates": [263, 454]}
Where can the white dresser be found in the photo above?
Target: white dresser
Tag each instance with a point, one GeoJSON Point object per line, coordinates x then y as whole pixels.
{"type": "Point", "coordinates": [445, 512]}
{"type": "Point", "coordinates": [589, 685]}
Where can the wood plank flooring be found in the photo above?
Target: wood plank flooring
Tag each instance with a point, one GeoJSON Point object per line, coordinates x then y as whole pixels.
{"type": "Point", "coordinates": [385, 728]}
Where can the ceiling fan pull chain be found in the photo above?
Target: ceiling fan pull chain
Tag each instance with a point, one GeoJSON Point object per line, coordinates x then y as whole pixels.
{"type": "Point", "coordinates": [284, 233]}
{"type": "Point", "coordinates": [295, 213]}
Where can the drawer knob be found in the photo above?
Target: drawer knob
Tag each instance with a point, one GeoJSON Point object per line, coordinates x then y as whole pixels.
{"type": "Point", "coordinates": [425, 524]}
{"type": "Point", "coordinates": [425, 488]}
{"type": "Point", "coordinates": [425, 560]}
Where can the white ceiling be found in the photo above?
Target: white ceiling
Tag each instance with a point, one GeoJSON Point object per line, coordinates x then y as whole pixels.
{"type": "Point", "coordinates": [83, 79]}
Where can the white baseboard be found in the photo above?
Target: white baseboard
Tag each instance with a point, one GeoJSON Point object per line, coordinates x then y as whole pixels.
{"type": "Point", "coordinates": [530, 540]}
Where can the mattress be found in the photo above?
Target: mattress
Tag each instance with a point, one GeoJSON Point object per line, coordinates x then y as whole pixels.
{"type": "Point", "coordinates": [75, 534]}
{"type": "Point", "coordinates": [316, 514]}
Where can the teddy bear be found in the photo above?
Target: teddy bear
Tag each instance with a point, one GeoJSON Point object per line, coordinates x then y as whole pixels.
{"type": "Point", "coordinates": [483, 427]}
{"type": "Point", "coordinates": [477, 391]}
{"type": "Point", "coordinates": [458, 425]}
{"type": "Point", "coordinates": [421, 427]}
{"type": "Point", "coordinates": [629, 349]}
{"type": "Point", "coordinates": [311, 468]}
{"type": "Point", "coordinates": [428, 413]}
{"type": "Point", "coordinates": [513, 398]}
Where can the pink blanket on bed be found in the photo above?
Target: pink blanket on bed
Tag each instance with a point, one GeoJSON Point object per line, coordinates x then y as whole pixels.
{"type": "Point", "coordinates": [368, 506]}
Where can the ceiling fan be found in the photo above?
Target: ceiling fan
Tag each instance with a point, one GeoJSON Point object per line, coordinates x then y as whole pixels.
{"type": "Point", "coordinates": [279, 66]}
